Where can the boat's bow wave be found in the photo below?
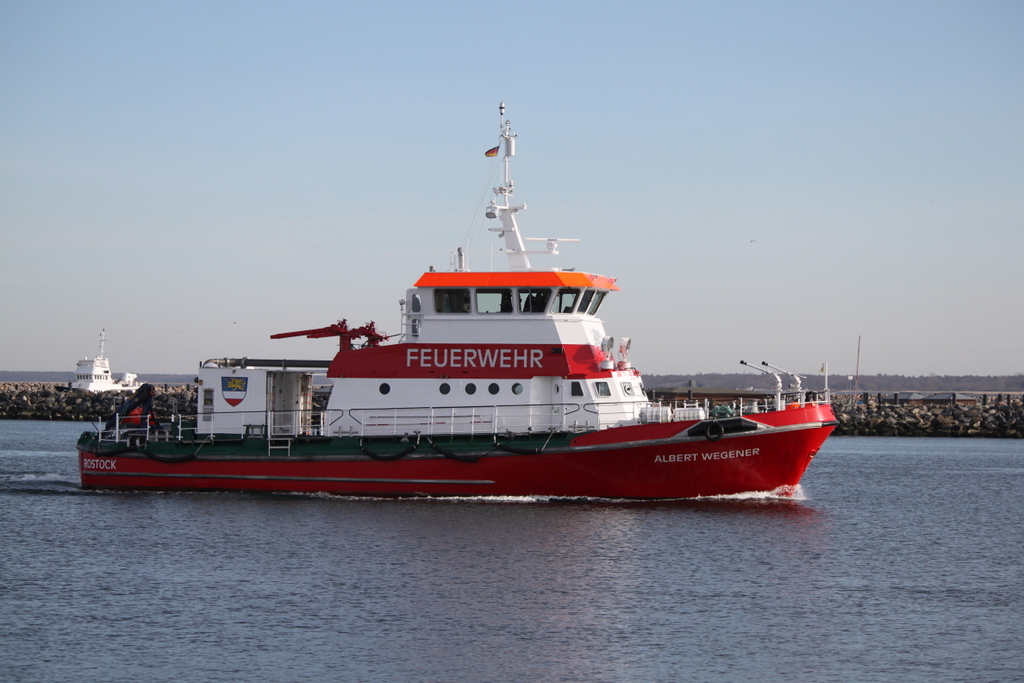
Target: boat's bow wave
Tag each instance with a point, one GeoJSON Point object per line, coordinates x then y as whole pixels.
{"type": "Point", "coordinates": [781, 493]}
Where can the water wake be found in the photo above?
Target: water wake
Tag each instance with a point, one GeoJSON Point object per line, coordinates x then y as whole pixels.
{"type": "Point", "coordinates": [783, 493]}
{"type": "Point", "coordinates": [48, 482]}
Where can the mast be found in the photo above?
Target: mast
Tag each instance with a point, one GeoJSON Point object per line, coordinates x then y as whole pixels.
{"type": "Point", "coordinates": [515, 243]}
{"type": "Point", "coordinates": [856, 384]}
{"type": "Point", "coordinates": [515, 248]}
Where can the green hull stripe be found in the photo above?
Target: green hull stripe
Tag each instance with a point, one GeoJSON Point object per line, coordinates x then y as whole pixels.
{"type": "Point", "coordinates": [349, 480]}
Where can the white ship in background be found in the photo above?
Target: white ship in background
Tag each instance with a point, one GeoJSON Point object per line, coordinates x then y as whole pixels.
{"type": "Point", "coordinates": [93, 374]}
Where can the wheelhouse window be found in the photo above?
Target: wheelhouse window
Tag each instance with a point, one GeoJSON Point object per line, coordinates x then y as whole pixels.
{"type": "Point", "coordinates": [603, 389]}
{"type": "Point", "coordinates": [494, 301]}
{"type": "Point", "coordinates": [575, 389]}
{"type": "Point", "coordinates": [585, 301]}
{"type": "Point", "coordinates": [596, 303]}
{"type": "Point", "coordinates": [565, 300]}
{"type": "Point", "coordinates": [533, 300]}
{"type": "Point", "coordinates": [451, 301]}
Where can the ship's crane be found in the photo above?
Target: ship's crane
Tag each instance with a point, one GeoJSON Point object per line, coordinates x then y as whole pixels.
{"type": "Point", "coordinates": [345, 333]}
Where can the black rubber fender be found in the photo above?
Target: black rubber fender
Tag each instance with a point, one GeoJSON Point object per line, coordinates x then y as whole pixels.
{"type": "Point", "coordinates": [392, 456]}
{"type": "Point", "coordinates": [111, 453]}
{"type": "Point", "coordinates": [170, 460]}
{"type": "Point", "coordinates": [729, 425]}
{"type": "Point", "coordinates": [454, 456]}
{"type": "Point", "coordinates": [714, 431]}
{"type": "Point", "coordinates": [146, 452]}
{"type": "Point", "coordinates": [520, 451]}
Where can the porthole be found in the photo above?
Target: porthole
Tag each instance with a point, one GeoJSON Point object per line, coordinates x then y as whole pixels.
{"type": "Point", "coordinates": [385, 388]}
{"type": "Point", "coordinates": [517, 388]}
{"type": "Point", "coordinates": [493, 388]}
{"type": "Point", "coordinates": [444, 388]}
{"type": "Point", "coordinates": [470, 388]}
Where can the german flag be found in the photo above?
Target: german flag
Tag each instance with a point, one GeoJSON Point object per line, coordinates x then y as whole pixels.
{"type": "Point", "coordinates": [492, 152]}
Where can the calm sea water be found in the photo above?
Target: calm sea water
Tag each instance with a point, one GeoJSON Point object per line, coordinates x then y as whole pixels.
{"type": "Point", "coordinates": [901, 561]}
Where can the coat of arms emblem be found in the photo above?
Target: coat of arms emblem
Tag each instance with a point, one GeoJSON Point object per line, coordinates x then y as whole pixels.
{"type": "Point", "coordinates": [233, 389]}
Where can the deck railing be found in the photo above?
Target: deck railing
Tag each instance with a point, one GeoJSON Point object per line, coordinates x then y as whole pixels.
{"type": "Point", "coordinates": [473, 420]}
{"type": "Point", "coordinates": [483, 419]}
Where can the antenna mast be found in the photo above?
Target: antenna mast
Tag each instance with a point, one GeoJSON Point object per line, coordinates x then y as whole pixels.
{"type": "Point", "coordinates": [515, 248]}
{"type": "Point", "coordinates": [515, 243]}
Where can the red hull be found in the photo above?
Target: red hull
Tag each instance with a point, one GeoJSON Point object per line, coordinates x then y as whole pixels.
{"type": "Point", "coordinates": [629, 462]}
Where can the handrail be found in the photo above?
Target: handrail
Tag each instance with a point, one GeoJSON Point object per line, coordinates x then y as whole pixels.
{"type": "Point", "coordinates": [450, 420]}
{"type": "Point", "coordinates": [478, 419]}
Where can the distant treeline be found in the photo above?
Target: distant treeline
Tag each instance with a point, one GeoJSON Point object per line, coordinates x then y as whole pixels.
{"type": "Point", "coordinates": [866, 383]}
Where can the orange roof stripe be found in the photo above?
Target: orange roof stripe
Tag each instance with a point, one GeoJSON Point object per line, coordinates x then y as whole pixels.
{"type": "Point", "coordinates": [544, 278]}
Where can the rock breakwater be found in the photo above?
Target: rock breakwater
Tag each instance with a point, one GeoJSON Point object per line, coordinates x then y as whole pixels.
{"type": "Point", "coordinates": [47, 401]}
{"type": "Point", "coordinates": [1002, 418]}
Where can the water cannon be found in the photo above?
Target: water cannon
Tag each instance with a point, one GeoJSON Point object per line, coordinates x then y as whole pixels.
{"type": "Point", "coordinates": [785, 372]}
{"type": "Point", "coordinates": [778, 380]}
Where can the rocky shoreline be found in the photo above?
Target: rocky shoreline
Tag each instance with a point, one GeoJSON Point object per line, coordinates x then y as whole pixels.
{"type": "Point", "coordinates": [50, 401]}
{"type": "Point", "coordinates": [1001, 418]}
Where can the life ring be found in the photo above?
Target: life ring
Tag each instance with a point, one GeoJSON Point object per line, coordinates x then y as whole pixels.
{"type": "Point", "coordinates": [714, 431]}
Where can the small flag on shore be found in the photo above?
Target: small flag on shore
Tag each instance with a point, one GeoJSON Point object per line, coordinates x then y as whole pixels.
{"type": "Point", "coordinates": [492, 152]}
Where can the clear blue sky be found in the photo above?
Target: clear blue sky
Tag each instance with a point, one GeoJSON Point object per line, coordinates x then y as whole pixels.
{"type": "Point", "coordinates": [767, 181]}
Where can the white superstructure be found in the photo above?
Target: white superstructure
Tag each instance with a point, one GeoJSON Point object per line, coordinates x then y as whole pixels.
{"type": "Point", "coordinates": [93, 374]}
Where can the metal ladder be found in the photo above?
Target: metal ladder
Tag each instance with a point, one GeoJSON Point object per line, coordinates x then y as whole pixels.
{"type": "Point", "coordinates": [279, 444]}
